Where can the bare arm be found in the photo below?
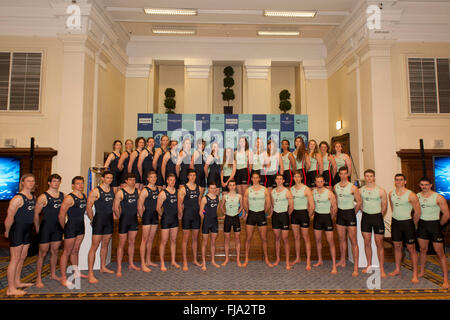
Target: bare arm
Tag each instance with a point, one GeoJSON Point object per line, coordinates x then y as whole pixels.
{"type": "Point", "coordinates": [390, 201]}
{"type": "Point", "coordinates": [241, 206]}
{"type": "Point", "coordinates": [291, 161]}
{"type": "Point", "coordinates": [202, 207]}
{"type": "Point", "coordinates": [93, 196]}
{"type": "Point", "coordinates": [250, 160]}
{"type": "Point", "coordinates": [116, 204]}
{"type": "Point", "coordinates": [163, 166]}
{"type": "Point", "coordinates": [14, 205]}
{"type": "Point", "coordinates": [108, 160]}
{"type": "Point", "coordinates": [290, 201]}
{"type": "Point", "coordinates": [233, 172]}
{"type": "Point", "coordinates": [122, 160]}
{"type": "Point", "coordinates": [159, 203]}
{"type": "Point", "coordinates": [280, 161]}
{"type": "Point", "coordinates": [319, 163]}
{"type": "Point", "coordinates": [141, 207]}
{"type": "Point", "coordinates": [348, 163]}
{"type": "Point", "coordinates": [269, 203]}
{"type": "Point", "coordinates": [358, 198]}
{"type": "Point", "coordinates": [155, 158]}
{"type": "Point", "coordinates": [307, 163]}
{"type": "Point", "coordinates": [41, 202]}
{"type": "Point", "coordinates": [206, 167]}
{"type": "Point", "coordinates": [142, 156]}
{"type": "Point", "coordinates": [384, 202]}
{"type": "Point", "coordinates": [311, 204]}
{"type": "Point", "coordinates": [181, 193]}
{"type": "Point", "coordinates": [333, 204]}
{"type": "Point", "coordinates": [442, 203]}
{"type": "Point", "coordinates": [333, 165]}
{"type": "Point", "coordinates": [246, 201]}
{"type": "Point", "coordinates": [132, 158]}
{"type": "Point", "coordinates": [414, 200]}
{"type": "Point", "coordinates": [66, 204]}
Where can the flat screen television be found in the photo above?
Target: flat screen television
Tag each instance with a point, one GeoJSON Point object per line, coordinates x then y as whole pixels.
{"type": "Point", "coordinates": [9, 177]}
{"type": "Point", "coordinates": [442, 175]}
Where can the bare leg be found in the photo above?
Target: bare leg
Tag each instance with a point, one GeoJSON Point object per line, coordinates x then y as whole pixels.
{"type": "Point", "coordinates": [318, 236]}
{"type": "Point", "coordinates": [68, 246]}
{"type": "Point", "coordinates": [120, 246]}
{"type": "Point", "coordinates": [237, 243]}
{"type": "Point", "coordinates": [195, 247]}
{"type": "Point", "coordinates": [398, 257]}
{"type": "Point", "coordinates": [305, 235]}
{"type": "Point", "coordinates": [342, 234]}
{"type": "Point", "coordinates": [285, 237]}
{"type": "Point", "coordinates": [43, 249]}
{"type": "Point", "coordinates": [277, 233]}
{"type": "Point", "coordinates": [54, 250]}
{"type": "Point", "coordinates": [162, 247]}
{"type": "Point", "coordinates": [227, 247]}
{"type": "Point", "coordinates": [91, 257]}
{"type": "Point", "coordinates": [355, 249]}
{"type": "Point", "coordinates": [263, 234]}
{"type": "Point", "coordinates": [204, 243]}
{"type": "Point", "coordinates": [330, 240]}
{"type": "Point", "coordinates": [173, 246]}
{"type": "Point", "coordinates": [15, 253]}
{"type": "Point", "coordinates": [380, 252]}
{"type": "Point", "coordinates": [368, 250]}
{"type": "Point", "coordinates": [412, 252]}
{"type": "Point", "coordinates": [23, 256]}
{"type": "Point", "coordinates": [131, 240]}
{"type": "Point", "coordinates": [248, 240]}
{"type": "Point", "coordinates": [104, 253]}
{"type": "Point", "coordinates": [213, 249]}
{"type": "Point", "coordinates": [184, 244]}
{"type": "Point", "coordinates": [143, 247]}
{"type": "Point", "coordinates": [439, 248]}
{"type": "Point", "coordinates": [296, 231]}
{"type": "Point", "coordinates": [74, 255]}
{"type": "Point", "coordinates": [423, 255]}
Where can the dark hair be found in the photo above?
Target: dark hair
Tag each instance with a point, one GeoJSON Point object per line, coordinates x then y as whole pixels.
{"type": "Point", "coordinates": [106, 172]}
{"type": "Point", "coordinates": [370, 171]}
{"type": "Point", "coordinates": [127, 141]}
{"type": "Point", "coordinates": [426, 179]}
{"type": "Point", "coordinates": [170, 175]}
{"type": "Point", "coordinates": [115, 141]}
{"type": "Point", "coordinates": [54, 176]}
{"type": "Point", "coordinates": [299, 172]}
{"type": "Point", "coordinates": [239, 146]}
{"type": "Point", "coordinates": [344, 168]}
{"type": "Point", "coordinates": [151, 172]}
{"type": "Point", "coordinates": [300, 152]}
{"type": "Point", "coordinates": [400, 175]}
{"type": "Point", "coordinates": [130, 175]}
{"type": "Point", "coordinates": [136, 142]}
{"type": "Point", "coordinates": [279, 175]}
{"type": "Point", "coordinates": [319, 176]}
{"type": "Point", "coordinates": [189, 171]}
{"type": "Point", "coordinates": [211, 183]}
{"type": "Point", "coordinates": [325, 143]}
{"type": "Point", "coordinates": [77, 178]}
{"type": "Point", "coordinates": [153, 149]}
{"type": "Point", "coordinates": [257, 173]}
{"type": "Point", "coordinates": [231, 181]}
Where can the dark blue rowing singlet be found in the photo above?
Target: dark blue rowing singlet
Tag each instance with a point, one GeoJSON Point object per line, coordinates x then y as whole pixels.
{"type": "Point", "coordinates": [25, 214]}
{"type": "Point", "coordinates": [104, 204]}
{"type": "Point", "coordinates": [51, 210]}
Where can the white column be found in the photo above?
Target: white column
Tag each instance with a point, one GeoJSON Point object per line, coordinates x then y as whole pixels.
{"type": "Point", "coordinates": [257, 86]}
{"type": "Point", "coordinates": [198, 86]}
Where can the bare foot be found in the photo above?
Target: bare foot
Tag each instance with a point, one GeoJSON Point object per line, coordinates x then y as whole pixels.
{"type": "Point", "coordinates": [319, 263]}
{"type": "Point", "coordinates": [133, 267]}
{"type": "Point", "coordinates": [334, 270]}
{"type": "Point", "coordinates": [215, 264]}
{"type": "Point", "coordinates": [288, 266]}
{"type": "Point", "coordinates": [119, 274]}
{"type": "Point", "coordinates": [355, 273]}
{"type": "Point", "coordinates": [414, 280]}
{"type": "Point", "coordinates": [245, 263]}
{"type": "Point", "coordinates": [185, 267]}
{"type": "Point", "coordinates": [23, 285]}
{"type": "Point", "coordinates": [204, 267]}
{"type": "Point", "coordinates": [225, 263]}
{"type": "Point", "coordinates": [151, 264]}
{"type": "Point", "coordinates": [39, 284]}
{"type": "Point", "coordinates": [341, 263]}
{"type": "Point", "coordinates": [55, 277]}
{"type": "Point", "coordinates": [239, 263]}
{"type": "Point", "coordinates": [106, 270]}
{"type": "Point", "coordinates": [296, 261]}
{"type": "Point", "coordinates": [277, 262]}
{"type": "Point", "coordinates": [308, 266]}
{"type": "Point", "coordinates": [394, 273]}
{"type": "Point", "coordinates": [445, 285]}
{"type": "Point", "coordinates": [269, 264]}
{"type": "Point", "coordinates": [365, 270]}
{"type": "Point", "coordinates": [15, 292]}
{"type": "Point", "coordinates": [383, 274]}
{"type": "Point", "coordinates": [421, 273]}
{"type": "Point", "coordinates": [145, 268]}
{"type": "Point", "coordinates": [66, 283]}
{"type": "Point", "coordinates": [176, 265]}
{"type": "Point", "coordinates": [163, 268]}
{"type": "Point", "coordinates": [92, 279]}
{"type": "Point", "coordinates": [198, 264]}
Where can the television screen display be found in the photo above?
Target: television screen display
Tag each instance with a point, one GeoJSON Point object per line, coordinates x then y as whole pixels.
{"type": "Point", "coordinates": [442, 176]}
{"type": "Point", "coordinates": [9, 177]}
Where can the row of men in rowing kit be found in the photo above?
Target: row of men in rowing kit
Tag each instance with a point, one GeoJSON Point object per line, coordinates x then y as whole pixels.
{"type": "Point", "coordinates": [238, 164]}
{"type": "Point", "coordinates": [295, 206]}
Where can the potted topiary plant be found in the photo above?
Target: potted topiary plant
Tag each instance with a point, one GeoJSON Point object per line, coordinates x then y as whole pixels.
{"type": "Point", "coordinates": [285, 104]}
{"type": "Point", "coordinates": [170, 102]}
{"type": "Point", "coordinates": [228, 93]}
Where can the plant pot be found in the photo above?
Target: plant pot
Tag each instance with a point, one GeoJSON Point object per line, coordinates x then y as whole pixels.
{"type": "Point", "coordinates": [228, 109]}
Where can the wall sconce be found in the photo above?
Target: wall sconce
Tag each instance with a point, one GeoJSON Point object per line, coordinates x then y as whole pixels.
{"type": "Point", "coordinates": [339, 125]}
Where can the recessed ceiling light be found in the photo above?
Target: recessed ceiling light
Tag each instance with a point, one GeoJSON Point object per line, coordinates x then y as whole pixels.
{"type": "Point", "coordinates": [296, 14]}
{"type": "Point", "coordinates": [173, 31]}
{"type": "Point", "coordinates": [278, 33]}
{"type": "Point", "coordinates": [178, 12]}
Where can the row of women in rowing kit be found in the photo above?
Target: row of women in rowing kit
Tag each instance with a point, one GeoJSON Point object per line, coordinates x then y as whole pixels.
{"type": "Point", "coordinates": [234, 165]}
{"type": "Point", "coordinates": [295, 206]}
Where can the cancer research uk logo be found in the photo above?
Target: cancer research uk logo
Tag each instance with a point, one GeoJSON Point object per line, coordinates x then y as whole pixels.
{"type": "Point", "coordinates": [73, 21]}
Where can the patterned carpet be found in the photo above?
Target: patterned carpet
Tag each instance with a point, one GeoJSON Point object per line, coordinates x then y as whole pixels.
{"type": "Point", "coordinates": [254, 282]}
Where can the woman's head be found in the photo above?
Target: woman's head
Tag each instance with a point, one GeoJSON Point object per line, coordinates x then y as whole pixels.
{"type": "Point", "coordinates": [324, 147]}
{"type": "Point", "coordinates": [129, 145]}
{"type": "Point", "coordinates": [117, 145]}
{"type": "Point", "coordinates": [243, 143]}
{"type": "Point", "coordinates": [139, 143]}
{"type": "Point", "coordinates": [312, 146]}
{"type": "Point", "coordinates": [27, 181]}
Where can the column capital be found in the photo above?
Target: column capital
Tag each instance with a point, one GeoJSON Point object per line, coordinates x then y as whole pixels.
{"type": "Point", "coordinates": [197, 68]}
{"type": "Point", "coordinates": [257, 68]}
{"type": "Point", "coordinates": [315, 69]}
{"type": "Point", "coordinates": [139, 67]}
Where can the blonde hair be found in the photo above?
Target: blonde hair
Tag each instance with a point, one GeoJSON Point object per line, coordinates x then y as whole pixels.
{"type": "Point", "coordinates": [22, 179]}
